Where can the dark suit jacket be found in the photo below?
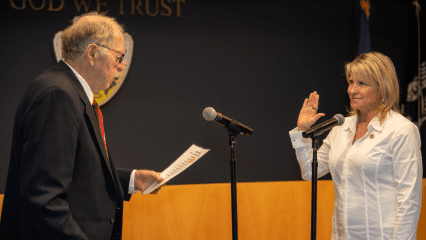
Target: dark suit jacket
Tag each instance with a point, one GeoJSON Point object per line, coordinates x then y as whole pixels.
{"type": "Point", "coordinates": [60, 183]}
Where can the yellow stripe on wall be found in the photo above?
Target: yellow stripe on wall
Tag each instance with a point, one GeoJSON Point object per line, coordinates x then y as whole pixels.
{"type": "Point", "coordinates": [266, 210]}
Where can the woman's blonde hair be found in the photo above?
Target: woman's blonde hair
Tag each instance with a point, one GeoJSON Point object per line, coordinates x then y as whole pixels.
{"type": "Point", "coordinates": [96, 28]}
{"type": "Point", "coordinates": [377, 68]}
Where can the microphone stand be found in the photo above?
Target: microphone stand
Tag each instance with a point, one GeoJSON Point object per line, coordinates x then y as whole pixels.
{"type": "Point", "coordinates": [313, 133]}
{"type": "Point", "coordinates": [314, 188]}
{"type": "Point", "coordinates": [233, 131]}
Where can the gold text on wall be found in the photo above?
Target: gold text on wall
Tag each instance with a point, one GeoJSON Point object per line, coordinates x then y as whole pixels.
{"type": "Point", "coordinates": [149, 8]}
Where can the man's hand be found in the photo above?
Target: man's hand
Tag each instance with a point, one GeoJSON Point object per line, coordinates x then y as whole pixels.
{"type": "Point", "coordinates": [144, 178]}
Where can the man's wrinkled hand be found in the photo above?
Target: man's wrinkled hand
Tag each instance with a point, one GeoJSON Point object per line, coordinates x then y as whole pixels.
{"type": "Point", "coordinates": [144, 178]}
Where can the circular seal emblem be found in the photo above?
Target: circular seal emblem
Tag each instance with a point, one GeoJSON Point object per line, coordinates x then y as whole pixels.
{"type": "Point", "coordinates": [102, 97]}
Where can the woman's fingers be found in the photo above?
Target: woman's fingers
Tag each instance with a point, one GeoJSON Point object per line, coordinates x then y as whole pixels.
{"type": "Point", "coordinates": [308, 115]}
{"type": "Point", "coordinates": [318, 116]}
{"type": "Point", "coordinates": [316, 100]}
{"type": "Point", "coordinates": [305, 103]}
{"type": "Point", "coordinates": [312, 101]}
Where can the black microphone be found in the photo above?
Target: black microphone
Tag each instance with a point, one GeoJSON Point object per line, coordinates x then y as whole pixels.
{"type": "Point", "coordinates": [211, 115]}
{"type": "Point", "coordinates": [319, 129]}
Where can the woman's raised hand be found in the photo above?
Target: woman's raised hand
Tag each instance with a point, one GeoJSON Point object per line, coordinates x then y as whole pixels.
{"type": "Point", "coordinates": [308, 114]}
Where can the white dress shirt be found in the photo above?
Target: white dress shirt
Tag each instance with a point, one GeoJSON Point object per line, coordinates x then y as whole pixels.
{"type": "Point", "coordinates": [377, 179]}
{"type": "Point", "coordinates": [91, 96]}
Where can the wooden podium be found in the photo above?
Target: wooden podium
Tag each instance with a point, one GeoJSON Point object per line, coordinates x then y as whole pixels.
{"type": "Point", "coordinates": [266, 210]}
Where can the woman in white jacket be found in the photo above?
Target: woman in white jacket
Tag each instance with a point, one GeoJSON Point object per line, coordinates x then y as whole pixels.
{"type": "Point", "coordinates": [374, 158]}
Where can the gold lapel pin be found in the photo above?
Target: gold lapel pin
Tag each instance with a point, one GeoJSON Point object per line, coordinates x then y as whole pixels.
{"type": "Point", "coordinates": [372, 136]}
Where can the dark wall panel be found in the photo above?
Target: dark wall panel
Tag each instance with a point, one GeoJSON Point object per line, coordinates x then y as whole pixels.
{"type": "Point", "coordinates": [254, 61]}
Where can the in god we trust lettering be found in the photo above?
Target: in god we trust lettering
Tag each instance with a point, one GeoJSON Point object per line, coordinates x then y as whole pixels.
{"type": "Point", "coordinates": [149, 8]}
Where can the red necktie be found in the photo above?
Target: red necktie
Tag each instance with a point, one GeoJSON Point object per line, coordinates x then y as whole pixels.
{"type": "Point", "coordinates": [101, 121]}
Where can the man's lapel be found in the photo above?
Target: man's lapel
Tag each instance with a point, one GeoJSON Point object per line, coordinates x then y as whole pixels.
{"type": "Point", "coordinates": [66, 71]}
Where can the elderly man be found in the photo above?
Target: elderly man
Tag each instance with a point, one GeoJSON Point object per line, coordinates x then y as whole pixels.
{"type": "Point", "coordinates": [62, 182]}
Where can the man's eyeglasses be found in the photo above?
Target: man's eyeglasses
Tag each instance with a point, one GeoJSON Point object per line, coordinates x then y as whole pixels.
{"type": "Point", "coordinates": [119, 59]}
